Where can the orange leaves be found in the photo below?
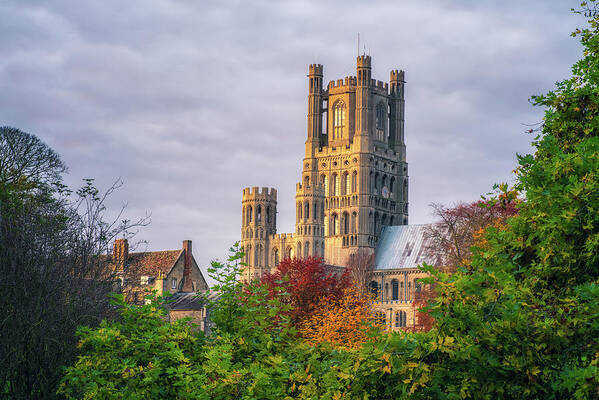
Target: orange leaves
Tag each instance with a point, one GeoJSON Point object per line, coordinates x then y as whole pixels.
{"type": "Point", "coordinates": [340, 322]}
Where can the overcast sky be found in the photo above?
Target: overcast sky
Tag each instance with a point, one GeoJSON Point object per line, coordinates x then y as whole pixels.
{"type": "Point", "coordinates": [190, 101]}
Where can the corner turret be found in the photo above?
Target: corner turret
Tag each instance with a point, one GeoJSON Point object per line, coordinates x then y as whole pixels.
{"type": "Point", "coordinates": [258, 222]}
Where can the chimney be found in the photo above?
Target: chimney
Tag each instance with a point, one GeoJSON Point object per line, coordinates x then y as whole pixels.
{"type": "Point", "coordinates": [187, 285]}
{"type": "Point", "coordinates": [120, 253]}
{"type": "Point", "coordinates": [159, 284]}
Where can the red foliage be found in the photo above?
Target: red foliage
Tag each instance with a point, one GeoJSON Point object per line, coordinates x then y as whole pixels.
{"type": "Point", "coordinates": [424, 321]}
{"type": "Point", "coordinates": [307, 282]}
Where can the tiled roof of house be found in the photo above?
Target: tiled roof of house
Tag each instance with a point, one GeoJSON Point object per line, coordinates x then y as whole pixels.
{"type": "Point", "coordinates": [150, 263]}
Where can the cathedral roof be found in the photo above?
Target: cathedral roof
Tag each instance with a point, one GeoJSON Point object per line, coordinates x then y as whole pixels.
{"type": "Point", "coordinates": [404, 246]}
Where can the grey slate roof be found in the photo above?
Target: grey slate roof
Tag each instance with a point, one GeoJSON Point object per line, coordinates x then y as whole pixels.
{"type": "Point", "coordinates": [185, 301]}
{"type": "Point", "coordinates": [404, 246]}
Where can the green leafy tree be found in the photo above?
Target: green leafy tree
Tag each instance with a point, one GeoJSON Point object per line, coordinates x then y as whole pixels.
{"type": "Point", "coordinates": [52, 278]}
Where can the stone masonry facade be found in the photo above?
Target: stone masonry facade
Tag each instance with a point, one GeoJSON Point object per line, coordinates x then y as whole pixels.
{"type": "Point", "coordinates": [354, 178]}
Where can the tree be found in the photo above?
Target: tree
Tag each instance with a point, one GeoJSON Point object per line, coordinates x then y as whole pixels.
{"type": "Point", "coordinates": [52, 275]}
{"type": "Point", "coordinates": [458, 226]}
{"type": "Point", "coordinates": [360, 265]}
{"type": "Point", "coordinates": [342, 322]}
{"type": "Point", "coordinates": [303, 284]}
{"type": "Point", "coordinates": [26, 159]}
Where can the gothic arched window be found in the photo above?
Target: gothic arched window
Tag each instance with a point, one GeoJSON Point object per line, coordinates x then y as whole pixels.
{"type": "Point", "coordinates": [353, 222]}
{"type": "Point", "coordinates": [345, 223]}
{"type": "Point", "coordinates": [307, 211]}
{"type": "Point", "coordinates": [354, 182]}
{"type": "Point", "coordinates": [275, 257]}
{"type": "Point", "coordinates": [335, 185]}
{"type": "Point", "coordinates": [380, 121]}
{"type": "Point", "coordinates": [259, 214]}
{"type": "Point", "coordinates": [249, 216]}
{"type": "Point", "coordinates": [345, 189]}
{"type": "Point", "coordinates": [334, 224]}
{"type": "Point", "coordinates": [324, 181]}
{"type": "Point", "coordinates": [338, 119]}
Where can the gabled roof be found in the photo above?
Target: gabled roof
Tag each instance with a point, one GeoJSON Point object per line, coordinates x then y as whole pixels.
{"type": "Point", "coordinates": [150, 263]}
{"type": "Point", "coordinates": [404, 246]}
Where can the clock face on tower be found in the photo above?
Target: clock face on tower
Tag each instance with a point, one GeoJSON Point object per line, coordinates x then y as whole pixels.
{"type": "Point", "coordinates": [385, 192]}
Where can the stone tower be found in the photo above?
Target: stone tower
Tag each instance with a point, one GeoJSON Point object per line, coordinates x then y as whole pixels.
{"type": "Point", "coordinates": [360, 159]}
{"type": "Point", "coordinates": [258, 223]}
{"type": "Point", "coordinates": [309, 225]}
{"type": "Point", "coordinates": [354, 176]}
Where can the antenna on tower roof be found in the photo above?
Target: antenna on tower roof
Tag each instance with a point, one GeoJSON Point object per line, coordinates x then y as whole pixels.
{"type": "Point", "coordinates": [358, 44]}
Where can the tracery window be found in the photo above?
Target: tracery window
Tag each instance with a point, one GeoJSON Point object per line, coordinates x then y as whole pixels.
{"type": "Point", "coordinates": [338, 119]}
{"type": "Point", "coordinates": [354, 182]}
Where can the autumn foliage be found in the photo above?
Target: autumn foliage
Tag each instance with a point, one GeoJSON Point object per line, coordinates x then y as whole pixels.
{"type": "Point", "coordinates": [304, 284]}
{"type": "Point", "coordinates": [341, 322]}
{"type": "Point", "coordinates": [459, 226]}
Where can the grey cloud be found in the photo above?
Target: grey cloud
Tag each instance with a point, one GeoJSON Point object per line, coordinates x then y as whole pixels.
{"type": "Point", "coordinates": [190, 101]}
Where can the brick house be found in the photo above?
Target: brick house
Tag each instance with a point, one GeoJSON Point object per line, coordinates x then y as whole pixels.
{"type": "Point", "coordinates": [169, 271]}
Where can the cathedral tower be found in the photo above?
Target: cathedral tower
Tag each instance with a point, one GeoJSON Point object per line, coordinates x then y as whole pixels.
{"type": "Point", "coordinates": [258, 223]}
{"type": "Point", "coordinates": [354, 176]}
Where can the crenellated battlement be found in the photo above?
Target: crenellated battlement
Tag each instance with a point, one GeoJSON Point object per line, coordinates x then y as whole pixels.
{"type": "Point", "coordinates": [397, 76]}
{"type": "Point", "coordinates": [279, 236]}
{"type": "Point", "coordinates": [315, 69]}
{"type": "Point", "coordinates": [363, 61]}
{"type": "Point", "coordinates": [256, 193]}
{"type": "Point", "coordinates": [348, 81]}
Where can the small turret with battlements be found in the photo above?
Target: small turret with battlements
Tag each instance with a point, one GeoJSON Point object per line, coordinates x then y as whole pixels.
{"type": "Point", "coordinates": [259, 221]}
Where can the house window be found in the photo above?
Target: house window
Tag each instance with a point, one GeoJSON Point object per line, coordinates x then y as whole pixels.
{"type": "Point", "coordinates": [144, 280]}
{"type": "Point", "coordinates": [174, 283]}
